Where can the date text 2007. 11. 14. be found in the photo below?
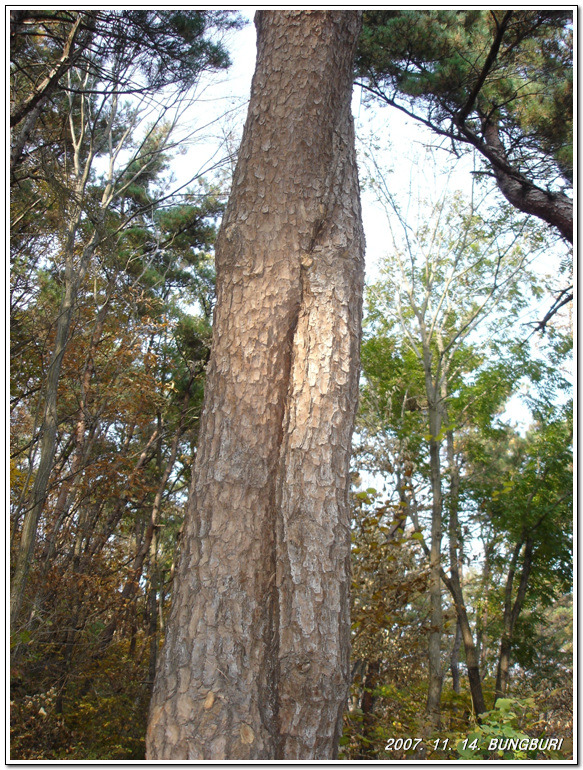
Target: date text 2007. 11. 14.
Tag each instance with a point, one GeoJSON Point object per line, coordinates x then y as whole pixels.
{"type": "Point", "coordinates": [495, 744]}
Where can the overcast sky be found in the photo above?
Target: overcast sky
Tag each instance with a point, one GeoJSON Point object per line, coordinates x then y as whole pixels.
{"type": "Point", "coordinates": [401, 140]}
{"type": "Point", "coordinates": [403, 143]}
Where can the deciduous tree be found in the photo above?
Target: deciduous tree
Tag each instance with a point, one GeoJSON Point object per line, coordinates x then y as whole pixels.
{"type": "Point", "coordinates": [85, 123]}
{"type": "Point", "coordinates": [446, 275]}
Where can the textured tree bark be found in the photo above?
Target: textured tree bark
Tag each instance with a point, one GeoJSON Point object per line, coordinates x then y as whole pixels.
{"type": "Point", "coordinates": [556, 209]}
{"type": "Point", "coordinates": [255, 663]}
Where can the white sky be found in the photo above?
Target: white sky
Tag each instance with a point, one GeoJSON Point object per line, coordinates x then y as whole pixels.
{"type": "Point", "coordinates": [401, 137]}
{"type": "Point", "coordinates": [232, 89]}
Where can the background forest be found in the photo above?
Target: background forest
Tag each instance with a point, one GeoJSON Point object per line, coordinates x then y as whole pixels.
{"type": "Point", "coordinates": [462, 464]}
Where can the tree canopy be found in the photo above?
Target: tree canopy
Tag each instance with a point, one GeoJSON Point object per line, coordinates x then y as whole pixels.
{"type": "Point", "coordinates": [500, 82]}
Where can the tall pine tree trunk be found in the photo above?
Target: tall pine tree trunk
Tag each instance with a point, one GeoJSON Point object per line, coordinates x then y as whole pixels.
{"type": "Point", "coordinates": [255, 662]}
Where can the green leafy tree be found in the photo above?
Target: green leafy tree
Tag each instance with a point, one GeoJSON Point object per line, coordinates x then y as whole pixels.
{"type": "Point", "coordinates": [527, 499]}
{"type": "Point", "coordinates": [448, 275]}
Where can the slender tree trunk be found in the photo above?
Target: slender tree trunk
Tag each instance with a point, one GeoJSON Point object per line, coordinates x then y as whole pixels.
{"type": "Point", "coordinates": [153, 609]}
{"type": "Point", "coordinates": [256, 659]}
{"type": "Point", "coordinates": [433, 706]}
{"type": "Point", "coordinates": [144, 544]}
{"type": "Point", "coordinates": [454, 660]}
{"type": "Point", "coordinates": [455, 583]}
{"type": "Point", "coordinates": [367, 706]}
{"type": "Point", "coordinates": [472, 661]}
{"type": "Point", "coordinates": [435, 684]}
{"type": "Point", "coordinates": [511, 613]}
{"type": "Point", "coordinates": [505, 643]}
{"type": "Point", "coordinates": [82, 441]}
{"type": "Point", "coordinates": [503, 670]}
{"type": "Point", "coordinates": [48, 441]}
{"type": "Point", "coordinates": [482, 616]}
